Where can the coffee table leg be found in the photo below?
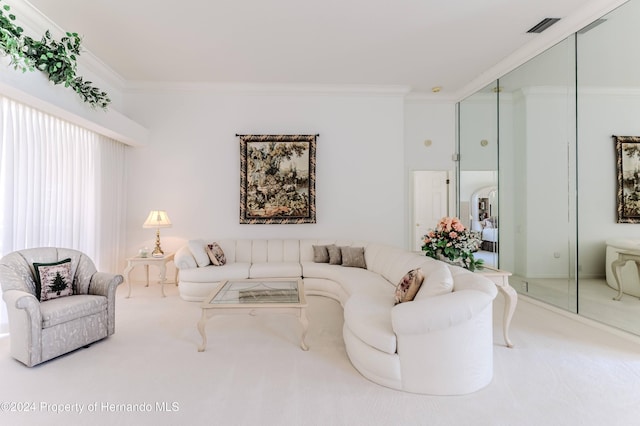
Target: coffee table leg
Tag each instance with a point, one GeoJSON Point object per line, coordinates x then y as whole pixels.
{"type": "Point", "coordinates": [201, 324]}
{"type": "Point", "coordinates": [305, 325]}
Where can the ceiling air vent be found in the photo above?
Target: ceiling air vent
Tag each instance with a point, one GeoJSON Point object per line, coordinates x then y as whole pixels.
{"type": "Point", "coordinates": [543, 25]}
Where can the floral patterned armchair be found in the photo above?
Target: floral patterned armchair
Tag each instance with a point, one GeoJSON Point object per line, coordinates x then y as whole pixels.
{"type": "Point", "coordinates": [49, 318]}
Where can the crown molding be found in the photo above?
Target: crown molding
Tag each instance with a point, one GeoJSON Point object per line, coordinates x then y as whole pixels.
{"type": "Point", "coordinates": [429, 97]}
{"type": "Point", "coordinates": [268, 89]}
{"type": "Point", "coordinates": [541, 42]}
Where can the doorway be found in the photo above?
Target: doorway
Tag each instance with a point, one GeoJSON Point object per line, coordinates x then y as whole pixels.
{"type": "Point", "coordinates": [430, 202]}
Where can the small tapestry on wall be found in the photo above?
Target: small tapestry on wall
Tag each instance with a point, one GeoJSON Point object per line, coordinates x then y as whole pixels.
{"type": "Point", "coordinates": [628, 167]}
{"type": "Point", "coordinates": [277, 179]}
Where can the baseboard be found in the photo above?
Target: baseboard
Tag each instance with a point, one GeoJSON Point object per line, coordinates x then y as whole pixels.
{"type": "Point", "coordinates": [579, 318]}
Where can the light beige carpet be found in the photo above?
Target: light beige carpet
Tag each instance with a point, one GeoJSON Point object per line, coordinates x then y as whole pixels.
{"type": "Point", "coordinates": [561, 372]}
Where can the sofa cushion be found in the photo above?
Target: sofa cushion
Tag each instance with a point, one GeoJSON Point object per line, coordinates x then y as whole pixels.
{"type": "Point", "coordinates": [437, 280]}
{"type": "Point", "coordinates": [409, 285]}
{"type": "Point", "coordinates": [353, 257]}
{"type": "Point", "coordinates": [53, 280]}
{"type": "Point", "coordinates": [363, 281]}
{"type": "Point", "coordinates": [275, 270]}
{"type": "Point", "coordinates": [335, 254]}
{"type": "Point", "coordinates": [64, 309]}
{"type": "Point", "coordinates": [369, 318]}
{"type": "Point", "coordinates": [321, 270]}
{"type": "Point", "coordinates": [320, 254]}
{"type": "Point", "coordinates": [199, 252]}
{"type": "Point", "coordinates": [215, 254]}
{"type": "Point", "coordinates": [211, 274]}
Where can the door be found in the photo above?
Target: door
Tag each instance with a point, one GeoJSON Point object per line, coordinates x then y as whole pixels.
{"type": "Point", "coordinates": [430, 202]}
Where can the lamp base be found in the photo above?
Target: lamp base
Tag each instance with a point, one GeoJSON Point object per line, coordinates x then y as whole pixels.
{"type": "Point", "coordinates": [157, 252]}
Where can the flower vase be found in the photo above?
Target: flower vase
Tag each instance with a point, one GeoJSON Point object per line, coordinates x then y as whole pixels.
{"type": "Point", "coordinates": [458, 261]}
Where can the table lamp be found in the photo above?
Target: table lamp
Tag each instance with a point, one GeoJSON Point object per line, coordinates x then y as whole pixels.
{"type": "Point", "coordinates": [157, 219]}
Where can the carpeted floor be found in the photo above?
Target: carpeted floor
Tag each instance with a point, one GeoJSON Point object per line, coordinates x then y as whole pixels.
{"type": "Point", "coordinates": [560, 372]}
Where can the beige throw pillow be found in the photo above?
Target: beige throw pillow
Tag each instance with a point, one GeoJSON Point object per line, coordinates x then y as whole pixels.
{"type": "Point", "coordinates": [320, 254]}
{"type": "Point", "coordinates": [335, 254]}
{"type": "Point", "coordinates": [353, 257]}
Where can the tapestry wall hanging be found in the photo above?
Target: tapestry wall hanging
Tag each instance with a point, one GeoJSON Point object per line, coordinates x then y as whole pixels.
{"type": "Point", "coordinates": [277, 179]}
{"type": "Point", "coordinates": [628, 167]}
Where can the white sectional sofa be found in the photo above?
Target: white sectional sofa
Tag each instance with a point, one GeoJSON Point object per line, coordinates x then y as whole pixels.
{"type": "Point", "coordinates": [441, 343]}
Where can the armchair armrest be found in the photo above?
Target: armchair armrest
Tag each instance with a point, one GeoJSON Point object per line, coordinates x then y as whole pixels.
{"type": "Point", "coordinates": [438, 313]}
{"type": "Point", "coordinates": [25, 326]}
{"type": "Point", "coordinates": [105, 284]}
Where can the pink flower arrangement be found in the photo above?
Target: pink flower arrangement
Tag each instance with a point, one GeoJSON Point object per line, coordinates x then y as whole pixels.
{"type": "Point", "coordinates": [452, 242]}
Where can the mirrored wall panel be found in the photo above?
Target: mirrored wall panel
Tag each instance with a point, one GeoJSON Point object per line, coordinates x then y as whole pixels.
{"type": "Point", "coordinates": [478, 170]}
{"type": "Point", "coordinates": [567, 159]}
{"type": "Point", "coordinates": [608, 63]}
{"type": "Point", "coordinates": [537, 157]}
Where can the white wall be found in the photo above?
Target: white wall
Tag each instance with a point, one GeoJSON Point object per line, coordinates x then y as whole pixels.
{"type": "Point", "coordinates": [191, 165]}
{"type": "Point", "coordinates": [426, 119]}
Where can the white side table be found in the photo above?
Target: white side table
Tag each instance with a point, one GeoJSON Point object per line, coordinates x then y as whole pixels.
{"type": "Point", "coordinates": [501, 280]}
{"type": "Point", "coordinates": [616, 267]}
{"type": "Point", "coordinates": [159, 262]}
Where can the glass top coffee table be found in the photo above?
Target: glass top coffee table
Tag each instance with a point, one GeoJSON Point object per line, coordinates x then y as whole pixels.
{"type": "Point", "coordinates": [252, 296]}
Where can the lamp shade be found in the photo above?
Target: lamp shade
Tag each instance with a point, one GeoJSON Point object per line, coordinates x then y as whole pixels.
{"type": "Point", "coordinates": [157, 219]}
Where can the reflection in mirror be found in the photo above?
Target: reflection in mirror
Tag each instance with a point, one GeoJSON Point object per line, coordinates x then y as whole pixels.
{"type": "Point", "coordinates": [537, 137]}
{"type": "Point", "coordinates": [558, 176]}
{"type": "Point", "coordinates": [478, 170]}
{"type": "Point", "coordinates": [608, 104]}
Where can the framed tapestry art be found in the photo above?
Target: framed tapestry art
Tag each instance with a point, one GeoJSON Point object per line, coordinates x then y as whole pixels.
{"type": "Point", "coordinates": [277, 179]}
{"type": "Point", "coordinates": [628, 167]}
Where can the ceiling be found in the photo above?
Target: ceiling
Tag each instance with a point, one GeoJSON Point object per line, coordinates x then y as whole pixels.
{"type": "Point", "coordinates": [412, 44]}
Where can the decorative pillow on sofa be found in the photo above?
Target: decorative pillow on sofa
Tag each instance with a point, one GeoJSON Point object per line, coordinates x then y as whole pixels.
{"type": "Point", "coordinates": [353, 257]}
{"type": "Point", "coordinates": [320, 254]}
{"type": "Point", "coordinates": [409, 285]}
{"type": "Point", "coordinates": [335, 254]}
{"type": "Point", "coordinates": [199, 252]}
{"type": "Point", "coordinates": [53, 280]}
{"type": "Point", "coordinates": [215, 254]}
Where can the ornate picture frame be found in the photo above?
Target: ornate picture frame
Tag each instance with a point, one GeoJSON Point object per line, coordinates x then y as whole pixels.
{"type": "Point", "coordinates": [277, 179]}
{"type": "Point", "coordinates": [628, 167]}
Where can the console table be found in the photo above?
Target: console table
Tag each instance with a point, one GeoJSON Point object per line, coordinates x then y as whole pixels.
{"type": "Point", "coordinates": [501, 280]}
{"type": "Point", "coordinates": [616, 267]}
{"type": "Point", "coordinates": [159, 262]}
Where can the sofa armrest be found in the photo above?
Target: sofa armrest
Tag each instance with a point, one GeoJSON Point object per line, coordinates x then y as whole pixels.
{"type": "Point", "coordinates": [25, 326]}
{"type": "Point", "coordinates": [464, 280]}
{"type": "Point", "coordinates": [439, 312]}
{"type": "Point", "coordinates": [184, 259]}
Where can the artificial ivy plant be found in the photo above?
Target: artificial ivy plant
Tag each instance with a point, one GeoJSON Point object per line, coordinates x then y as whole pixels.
{"type": "Point", "coordinates": [57, 59]}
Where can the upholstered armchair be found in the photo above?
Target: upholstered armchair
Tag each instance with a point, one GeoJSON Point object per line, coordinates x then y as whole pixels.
{"type": "Point", "coordinates": [44, 329]}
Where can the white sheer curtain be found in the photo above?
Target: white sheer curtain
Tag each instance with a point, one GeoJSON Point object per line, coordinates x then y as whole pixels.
{"type": "Point", "coordinates": [60, 186]}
